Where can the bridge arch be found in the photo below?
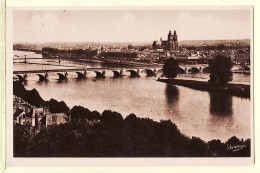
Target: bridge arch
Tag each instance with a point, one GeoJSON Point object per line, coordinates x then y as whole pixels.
{"type": "Point", "coordinates": [134, 73]}
{"type": "Point", "coordinates": [194, 70]}
{"type": "Point", "coordinates": [43, 77]}
{"type": "Point", "coordinates": [118, 73]}
{"type": "Point", "coordinates": [160, 71]}
{"type": "Point", "coordinates": [82, 75]}
{"type": "Point", "coordinates": [206, 69]}
{"type": "Point", "coordinates": [247, 67]}
{"type": "Point", "coordinates": [62, 76]}
{"type": "Point", "coordinates": [181, 70]}
{"type": "Point", "coordinates": [100, 74]}
{"type": "Point", "coordinates": [150, 72]}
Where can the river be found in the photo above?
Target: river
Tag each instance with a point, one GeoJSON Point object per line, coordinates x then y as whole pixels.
{"type": "Point", "coordinates": [203, 114]}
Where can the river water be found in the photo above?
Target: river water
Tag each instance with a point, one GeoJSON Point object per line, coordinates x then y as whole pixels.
{"type": "Point", "coordinates": [203, 114]}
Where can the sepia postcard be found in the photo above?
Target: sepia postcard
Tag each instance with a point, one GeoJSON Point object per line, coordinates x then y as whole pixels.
{"type": "Point", "coordinates": [129, 86]}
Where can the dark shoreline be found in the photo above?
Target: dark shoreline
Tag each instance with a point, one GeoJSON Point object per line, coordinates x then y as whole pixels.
{"type": "Point", "coordinates": [91, 134]}
{"type": "Point", "coordinates": [241, 90]}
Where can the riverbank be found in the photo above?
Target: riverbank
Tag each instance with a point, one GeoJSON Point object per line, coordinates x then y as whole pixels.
{"type": "Point", "coordinates": [242, 90]}
{"type": "Point", "coordinates": [108, 134]}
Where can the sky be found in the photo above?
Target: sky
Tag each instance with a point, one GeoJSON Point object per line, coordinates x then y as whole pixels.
{"type": "Point", "coordinates": [129, 25]}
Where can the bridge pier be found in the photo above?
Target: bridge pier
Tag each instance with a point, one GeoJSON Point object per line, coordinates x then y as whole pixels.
{"type": "Point", "coordinates": [138, 72]}
{"type": "Point", "coordinates": [154, 72]}
{"type": "Point", "coordinates": [200, 69]}
{"type": "Point", "coordinates": [186, 70]}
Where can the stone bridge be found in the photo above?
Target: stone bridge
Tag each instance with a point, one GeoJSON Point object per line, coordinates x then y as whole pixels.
{"type": "Point", "coordinates": [101, 72]}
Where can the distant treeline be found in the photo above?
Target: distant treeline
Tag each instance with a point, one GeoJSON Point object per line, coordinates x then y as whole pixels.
{"type": "Point", "coordinates": [50, 52]}
{"type": "Point", "coordinates": [24, 48]}
{"type": "Point", "coordinates": [91, 134]}
{"type": "Point", "coordinates": [197, 43]}
{"type": "Point", "coordinates": [118, 54]}
{"type": "Point", "coordinates": [218, 47]}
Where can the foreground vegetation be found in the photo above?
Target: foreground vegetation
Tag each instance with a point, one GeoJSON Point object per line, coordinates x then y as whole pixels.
{"type": "Point", "coordinates": [91, 134]}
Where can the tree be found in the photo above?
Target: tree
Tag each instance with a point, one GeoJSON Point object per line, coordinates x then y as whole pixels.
{"type": "Point", "coordinates": [220, 70]}
{"type": "Point", "coordinates": [79, 112]}
{"type": "Point", "coordinates": [154, 45]}
{"type": "Point", "coordinates": [58, 107]}
{"type": "Point", "coordinates": [22, 143]}
{"type": "Point", "coordinates": [108, 116]}
{"type": "Point", "coordinates": [170, 68]}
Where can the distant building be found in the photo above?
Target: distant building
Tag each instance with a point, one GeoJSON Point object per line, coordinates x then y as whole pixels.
{"type": "Point", "coordinates": [242, 57]}
{"type": "Point", "coordinates": [156, 45]}
{"type": "Point", "coordinates": [172, 43]}
{"type": "Point", "coordinates": [181, 56]}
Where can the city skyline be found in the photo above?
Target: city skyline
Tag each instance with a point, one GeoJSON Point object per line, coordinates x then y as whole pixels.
{"type": "Point", "coordinates": [129, 25]}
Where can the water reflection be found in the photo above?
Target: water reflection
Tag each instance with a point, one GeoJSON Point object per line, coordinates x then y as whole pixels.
{"type": "Point", "coordinates": [220, 104]}
{"type": "Point", "coordinates": [172, 94]}
{"type": "Point", "coordinates": [40, 82]}
{"type": "Point", "coordinates": [61, 81]}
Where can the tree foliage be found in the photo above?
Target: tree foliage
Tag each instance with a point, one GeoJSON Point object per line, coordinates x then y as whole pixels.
{"type": "Point", "coordinates": [58, 107]}
{"type": "Point", "coordinates": [220, 70]}
{"type": "Point", "coordinates": [114, 136]}
{"type": "Point", "coordinates": [170, 68]}
{"type": "Point", "coordinates": [31, 96]}
{"type": "Point", "coordinates": [119, 54]}
{"type": "Point", "coordinates": [79, 112]}
{"type": "Point", "coordinates": [49, 52]}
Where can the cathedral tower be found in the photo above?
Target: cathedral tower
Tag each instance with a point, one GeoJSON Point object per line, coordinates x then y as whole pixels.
{"type": "Point", "coordinates": [170, 41]}
{"type": "Point", "coordinates": [175, 40]}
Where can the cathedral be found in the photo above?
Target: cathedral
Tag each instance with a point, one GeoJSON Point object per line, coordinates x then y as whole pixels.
{"type": "Point", "coordinates": [172, 43]}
